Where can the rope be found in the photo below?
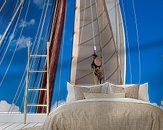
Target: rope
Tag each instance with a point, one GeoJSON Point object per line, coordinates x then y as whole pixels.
{"type": "Point", "coordinates": [17, 46]}
{"type": "Point", "coordinates": [128, 44]}
{"type": "Point", "coordinates": [101, 51]}
{"type": "Point", "coordinates": [11, 34]}
{"type": "Point", "coordinates": [6, 14]}
{"type": "Point", "coordinates": [22, 82]}
{"type": "Point", "coordinates": [93, 33]}
{"type": "Point", "coordinates": [6, 40]}
{"type": "Point", "coordinates": [8, 47]}
{"type": "Point", "coordinates": [2, 6]}
{"type": "Point", "coordinates": [116, 22]}
{"type": "Point", "coordinates": [60, 73]}
{"type": "Point", "coordinates": [138, 41]}
{"type": "Point", "coordinates": [97, 71]}
{"type": "Point", "coordinates": [2, 25]}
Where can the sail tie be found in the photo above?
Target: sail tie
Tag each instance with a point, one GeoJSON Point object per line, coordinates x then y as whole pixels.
{"type": "Point", "coordinates": [96, 66]}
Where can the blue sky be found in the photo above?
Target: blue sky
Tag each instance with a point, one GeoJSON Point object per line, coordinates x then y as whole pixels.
{"type": "Point", "coordinates": [149, 22]}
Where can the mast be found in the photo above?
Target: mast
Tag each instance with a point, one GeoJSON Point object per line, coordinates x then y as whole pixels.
{"type": "Point", "coordinates": [55, 40]}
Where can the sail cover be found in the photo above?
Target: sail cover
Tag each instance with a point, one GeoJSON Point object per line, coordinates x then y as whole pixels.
{"type": "Point", "coordinates": [93, 27]}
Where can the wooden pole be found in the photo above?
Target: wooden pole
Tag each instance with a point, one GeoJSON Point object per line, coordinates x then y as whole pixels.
{"type": "Point", "coordinates": [54, 55]}
{"type": "Point", "coordinates": [48, 109]}
{"type": "Point", "coordinates": [26, 91]}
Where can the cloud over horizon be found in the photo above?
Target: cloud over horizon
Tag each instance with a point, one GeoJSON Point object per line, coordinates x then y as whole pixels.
{"type": "Point", "coordinates": [5, 107]}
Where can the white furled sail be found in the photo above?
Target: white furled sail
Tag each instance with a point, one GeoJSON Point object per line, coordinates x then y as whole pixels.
{"type": "Point", "coordinates": [93, 29]}
{"type": "Point", "coordinates": [115, 16]}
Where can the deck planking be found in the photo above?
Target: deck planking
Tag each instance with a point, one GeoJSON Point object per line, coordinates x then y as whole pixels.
{"type": "Point", "coordinates": [16, 121]}
{"type": "Point", "coordinates": [17, 126]}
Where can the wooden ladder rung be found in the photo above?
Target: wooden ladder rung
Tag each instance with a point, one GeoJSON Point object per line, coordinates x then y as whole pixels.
{"type": "Point", "coordinates": [38, 56]}
{"type": "Point", "coordinates": [36, 105]}
{"type": "Point", "coordinates": [39, 71]}
{"type": "Point", "coordinates": [37, 89]}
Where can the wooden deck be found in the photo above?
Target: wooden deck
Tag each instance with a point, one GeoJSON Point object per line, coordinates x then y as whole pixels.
{"type": "Point", "coordinates": [17, 126]}
{"type": "Point", "coordinates": [16, 121]}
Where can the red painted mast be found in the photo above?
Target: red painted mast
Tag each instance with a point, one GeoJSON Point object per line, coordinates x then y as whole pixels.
{"type": "Point", "coordinates": [56, 36]}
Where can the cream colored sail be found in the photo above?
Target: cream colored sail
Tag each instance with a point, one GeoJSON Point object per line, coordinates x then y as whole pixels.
{"type": "Point", "coordinates": [93, 27]}
{"type": "Point", "coordinates": [113, 9]}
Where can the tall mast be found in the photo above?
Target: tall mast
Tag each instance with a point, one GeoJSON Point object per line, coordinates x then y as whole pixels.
{"type": "Point", "coordinates": [55, 40]}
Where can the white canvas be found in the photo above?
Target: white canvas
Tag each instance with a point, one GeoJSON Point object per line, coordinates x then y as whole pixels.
{"type": "Point", "coordinates": [143, 92]}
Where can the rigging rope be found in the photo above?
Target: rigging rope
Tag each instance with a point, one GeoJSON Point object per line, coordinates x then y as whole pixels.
{"type": "Point", "coordinates": [96, 64]}
{"type": "Point", "coordinates": [6, 14]}
{"type": "Point", "coordinates": [6, 40]}
{"type": "Point", "coordinates": [101, 51]}
{"type": "Point", "coordinates": [61, 63]}
{"type": "Point", "coordinates": [93, 33]}
{"type": "Point", "coordinates": [32, 60]}
{"type": "Point", "coordinates": [22, 82]}
{"type": "Point", "coordinates": [128, 44]}
{"type": "Point", "coordinates": [3, 6]}
{"type": "Point", "coordinates": [17, 46]}
{"type": "Point", "coordinates": [12, 35]}
{"type": "Point", "coordinates": [32, 63]}
{"type": "Point", "coordinates": [2, 25]}
{"type": "Point", "coordinates": [8, 46]}
{"type": "Point", "coordinates": [116, 23]}
{"type": "Point", "coordinates": [138, 40]}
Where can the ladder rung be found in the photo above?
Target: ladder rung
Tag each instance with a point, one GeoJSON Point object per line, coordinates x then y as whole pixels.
{"type": "Point", "coordinates": [37, 89]}
{"type": "Point", "coordinates": [37, 105]}
{"type": "Point", "coordinates": [34, 71]}
{"type": "Point", "coordinates": [38, 55]}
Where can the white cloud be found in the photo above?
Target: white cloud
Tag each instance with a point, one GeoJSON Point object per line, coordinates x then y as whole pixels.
{"type": "Point", "coordinates": [22, 42]}
{"type": "Point", "coordinates": [11, 37]}
{"type": "Point", "coordinates": [39, 3]}
{"type": "Point", "coordinates": [27, 23]}
{"type": "Point", "coordinates": [5, 107]}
